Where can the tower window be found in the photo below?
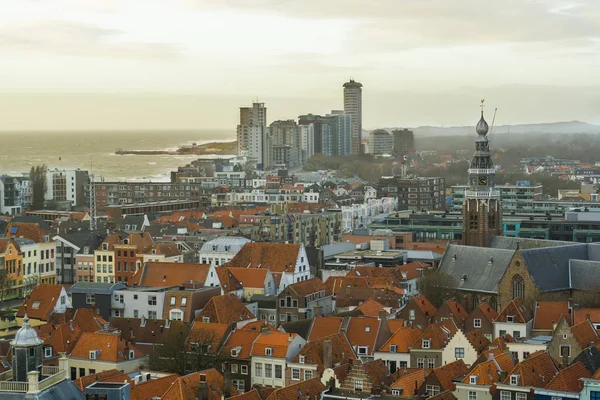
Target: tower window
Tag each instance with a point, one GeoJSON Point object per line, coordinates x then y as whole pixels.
{"type": "Point", "coordinates": [518, 287]}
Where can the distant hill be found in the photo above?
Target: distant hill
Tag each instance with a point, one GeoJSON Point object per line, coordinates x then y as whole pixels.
{"type": "Point", "coordinates": [549, 128]}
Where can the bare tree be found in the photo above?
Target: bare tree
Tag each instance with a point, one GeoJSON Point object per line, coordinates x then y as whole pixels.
{"type": "Point", "coordinates": [39, 185]}
{"type": "Point", "coordinates": [437, 286]}
{"type": "Point", "coordinates": [3, 285]}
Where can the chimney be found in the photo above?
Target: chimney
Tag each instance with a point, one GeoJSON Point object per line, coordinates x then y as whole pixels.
{"type": "Point", "coordinates": [327, 353]}
{"type": "Point", "coordinates": [587, 316]}
{"type": "Point", "coordinates": [227, 381]}
{"type": "Point", "coordinates": [202, 388]}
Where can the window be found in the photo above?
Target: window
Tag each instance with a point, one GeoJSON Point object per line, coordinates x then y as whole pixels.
{"type": "Point", "coordinates": [565, 350]}
{"type": "Point", "coordinates": [295, 374]}
{"type": "Point", "coordinates": [281, 302]}
{"type": "Point", "coordinates": [431, 363]}
{"type": "Point", "coordinates": [459, 352]}
{"type": "Point", "coordinates": [518, 287]}
{"type": "Point", "coordinates": [525, 355]}
{"type": "Point", "coordinates": [358, 385]}
{"type": "Point", "coordinates": [205, 319]}
{"type": "Point", "coordinates": [363, 350]}
{"type": "Point", "coordinates": [420, 363]}
{"type": "Point", "coordinates": [477, 323]}
{"type": "Point", "coordinates": [258, 370]}
{"type": "Point", "coordinates": [432, 390]}
{"type": "Point", "coordinates": [93, 355]}
{"type": "Point", "coordinates": [521, 396]}
{"type": "Point", "coordinates": [473, 379]}
{"type": "Point", "coordinates": [472, 395]}
{"type": "Point", "coordinates": [411, 315]}
{"type": "Point", "coordinates": [47, 352]}
{"type": "Point", "coordinates": [90, 298]}
{"type": "Point", "coordinates": [268, 370]}
{"type": "Point", "coordinates": [244, 369]}
{"type": "Point", "coordinates": [426, 343]}
{"type": "Point", "coordinates": [393, 348]}
{"type": "Point", "coordinates": [278, 371]}
{"type": "Point", "coordinates": [514, 379]}
{"type": "Point", "coordinates": [234, 368]}
{"type": "Point", "coordinates": [135, 296]}
{"type": "Point", "coordinates": [151, 300]}
{"type": "Point", "coordinates": [367, 329]}
{"type": "Point", "coordinates": [594, 395]}
{"type": "Point", "coordinates": [172, 301]}
{"type": "Point", "coordinates": [152, 315]}
{"type": "Point", "coordinates": [135, 314]}
{"type": "Point", "coordinates": [301, 358]}
{"type": "Point", "coordinates": [268, 351]}
{"type": "Point", "coordinates": [307, 374]}
{"type": "Point", "coordinates": [183, 301]}
{"type": "Point", "coordinates": [131, 354]}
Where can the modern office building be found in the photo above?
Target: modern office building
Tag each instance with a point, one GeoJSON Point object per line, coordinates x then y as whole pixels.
{"type": "Point", "coordinates": [353, 106]}
{"type": "Point", "coordinates": [380, 142]}
{"type": "Point", "coordinates": [520, 197]}
{"type": "Point", "coordinates": [404, 141]}
{"type": "Point", "coordinates": [416, 193]}
{"type": "Point", "coordinates": [251, 133]}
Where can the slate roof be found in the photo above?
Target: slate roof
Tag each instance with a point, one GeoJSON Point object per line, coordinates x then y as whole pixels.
{"type": "Point", "coordinates": [590, 357]}
{"type": "Point", "coordinates": [96, 287]}
{"type": "Point", "coordinates": [584, 274]}
{"type": "Point", "coordinates": [549, 267]}
{"type": "Point", "coordinates": [474, 262]}
{"type": "Point", "coordinates": [511, 243]}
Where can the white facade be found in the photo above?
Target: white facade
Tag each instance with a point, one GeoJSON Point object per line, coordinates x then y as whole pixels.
{"type": "Point", "coordinates": [399, 360]}
{"type": "Point", "coordinates": [138, 303]}
{"type": "Point", "coordinates": [307, 141]}
{"type": "Point", "coordinates": [528, 346]}
{"type": "Point", "coordinates": [363, 214]}
{"type": "Point", "coordinates": [251, 133]}
{"type": "Point", "coordinates": [459, 347]}
{"type": "Point", "coordinates": [465, 391]}
{"type": "Point", "coordinates": [261, 362]}
{"type": "Point", "coordinates": [62, 303]}
{"type": "Point", "coordinates": [72, 180]}
{"type": "Point", "coordinates": [221, 250]}
{"type": "Point", "coordinates": [259, 195]}
{"type": "Point", "coordinates": [514, 329]}
{"type": "Point", "coordinates": [15, 194]}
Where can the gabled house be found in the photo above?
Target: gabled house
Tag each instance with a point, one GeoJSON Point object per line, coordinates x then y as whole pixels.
{"type": "Point", "coordinates": [396, 351]}
{"type": "Point", "coordinates": [371, 308]}
{"type": "Point", "coordinates": [466, 347]}
{"type": "Point", "coordinates": [226, 309]}
{"type": "Point", "coordinates": [271, 353]}
{"type": "Point", "coordinates": [318, 355]}
{"type": "Point", "coordinates": [229, 283]}
{"type": "Point", "coordinates": [515, 319]}
{"type": "Point", "coordinates": [482, 319]}
{"type": "Point", "coordinates": [427, 350]}
{"type": "Point", "coordinates": [304, 300]}
{"type": "Point", "coordinates": [452, 309]}
{"type": "Point", "coordinates": [44, 301]}
{"type": "Point", "coordinates": [569, 341]}
{"type": "Point", "coordinates": [408, 384]}
{"type": "Point", "coordinates": [164, 274]}
{"type": "Point", "coordinates": [418, 311]}
{"type": "Point", "coordinates": [547, 314]}
{"type": "Point", "coordinates": [312, 389]}
{"type": "Point", "coordinates": [255, 281]}
{"type": "Point", "coordinates": [480, 381]}
{"type": "Point", "coordinates": [442, 378]}
{"type": "Point", "coordinates": [95, 296]}
{"type": "Point", "coordinates": [148, 335]}
{"type": "Point", "coordinates": [567, 383]}
{"type": "Point", "coordinates": [534, 372]}
{"type": "Point", "coordinates": [235, 356]}
{"type": "Point", "coordinates": [367, 334]}
{"type": "Point", "coordinates": [324, 326]}
{"type": "Point", "coordinates": [208, 384]}
{"type": "Point", "coordinates": [350, 298]}
{"type": "Point", "coordinates": [364, 380]}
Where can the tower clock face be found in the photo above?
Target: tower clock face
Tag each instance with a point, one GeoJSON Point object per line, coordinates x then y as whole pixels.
{"type": "Point", "coordinates": [483, 180]}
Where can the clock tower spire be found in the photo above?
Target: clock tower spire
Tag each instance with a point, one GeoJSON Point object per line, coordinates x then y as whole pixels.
{"type": "Point", "coordinates": [482, 211]}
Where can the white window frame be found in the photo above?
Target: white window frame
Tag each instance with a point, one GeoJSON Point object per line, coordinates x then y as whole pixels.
{"type": "Point", "coordinates": [295, 374]}
{"type": "Point", "coordinates": [363, 350]}
{"type": "Point", "coordinates": [244, 369]}
{"type": "Point", "coordinates": [431, 363]}
{"type": "Point", "coordinates": [514, 380]}
{"type": "Point", "coordinates": [393, 348]}
{"type": "Point", "coordinates": [472, 395]}
{"type": "Point", "coordinates": [426, 343]}
{"type": "Point", "coordinates": [301, 359]}
{"type": "Point", "coordinates": [47, 352]}
{"type": "Point", "coordinates": [308, 374]}
{"type": "Point", "coordinates": [505, 395]}
{"type": "Point", "coordinates": [473, 379]}
{"type": "Point", "coordinates": [421, 362]}
{"type": "Point", "coordinates": [432, 390]}
{"type": "Point", "coordinates": [268, 351]}
{"type": "Point", "coordinates": [234, 368]}
{"type": "Point", "coordinates": [520, 396]}
{"type": "Point", "coordinates": [358, 384]}
{"type": "Point", "coordinates": [477, 323]}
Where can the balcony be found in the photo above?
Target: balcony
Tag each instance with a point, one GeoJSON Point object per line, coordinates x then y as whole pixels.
{"type": "Point", "coordinates": [118, 305]}
{"type": "Point", "coordinates": [474, 194]}
{"type": "Point", "coordinates": [51, 376]}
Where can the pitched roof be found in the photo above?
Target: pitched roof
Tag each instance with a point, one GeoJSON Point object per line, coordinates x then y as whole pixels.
{"type": "Point", "coordinates": [396, 324]}
{"type": "Point", "coordinates": [249, 277]}
{"type": "Point", "coordinates": [228, 281]}
{"type": "Point", "coordinates": [324, 326]}
{"type": "Point", "coordinates": [377, 372]}
{"type": "Point", "coordinates": [371, 308]}
{"type": "Point", "coordinates": [354, 296]}
{"type": "Point", "coordinates": [148, 331]}
{"type": "Point", "coordinates": [548, 313]}
{"type": "Point", "coordinates": [27, 230]}
{"type": "Point", "coordinates": [40, 302]}
{"type": "Point", "coordinates": [163, 274]}
{"type": "Point", "coordinates": [549, 266]}
{"type": "Point", "coordinates": [304, 288]}
{"type": "Point", "coordinates": [64, 338]}
{"type": "Point", "coordinates": [186, 387]}
{"type": "Point", "coordinates": [278, 341]}
{"type": "Point", "coordinates": [403, 338]}
{"type": "Point", "coordinates": [314, 351]}
{"type": "Point", "coordinates": [445, 395]}
{"type": "Point", "coordinates": [308, 390]}
{"type": "Point", "coordinates": [448, 373]}
{"type": "Point", "coordinates": [152, 388]}
{"type": "Point", "coordinates": [205, 332]}
{"type": "Point", "coordinates": [278, 257]}
{"type": "Point", "coordinates": [569, 379]}
{"type": "Point", "coordinates": [424, 305]}
{"type": "Point", "coordinates": [88, 320]}
{"type": "Point", "coordinates": [409, 383]}
{"type": "Point", "coordinates": [111, 375]}
{"type": "Point", "coordinates": [477, 340]}
{"type": "Point", "coordinates": [112, 347]}
{"type": "Point", "coordinates": [258, 326]}
{"type": "Point", "coordinates": [456, 310]}
{"type": "Point", "coordinates": [581, 314]}
{"type": "Point", "coordinates": [225, 309]}
{"type": "Point", "coordinates": [490, 372]}
{"type": "Point", "coordinates": [536, 370]}
{"type": "Point", "coordinates": [585, 334]}
{"type": "Point", "coordinates": [241, 340]}
{"type": "Point", "coordinates": [517, 309]}
{"type": "Point", "coordinates": [438, 334]}
{"type": "Point", "coordinates": [362, 331]}
{"type": "Point", "coordinates": [488, 312]}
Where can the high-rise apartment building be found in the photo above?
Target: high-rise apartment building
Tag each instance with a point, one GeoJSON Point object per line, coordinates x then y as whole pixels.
{"type": "Point", "coordinates": [404, 141]}
{"type": "Point", "coordinates": [332, 133]}
{"type": "Point", "coordinates": [353, 106]}
{"type": "Point", "coordinates": [252, 132]}
{"type": "Point", "coordinates": [342, 132]}
{"type": "Point", "coordinates": [380, 142]}
{"type": "Point", "coordinates": [67, 187]}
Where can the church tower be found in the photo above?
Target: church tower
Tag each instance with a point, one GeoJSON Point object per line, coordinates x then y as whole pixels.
{"type": "Point", "coordinates": [482, 211]}
{"type": "Point", "coordinates": [27, 352]}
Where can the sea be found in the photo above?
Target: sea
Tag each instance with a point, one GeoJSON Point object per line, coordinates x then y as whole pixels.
{"type": "Point", "coordinates": [95, 151]}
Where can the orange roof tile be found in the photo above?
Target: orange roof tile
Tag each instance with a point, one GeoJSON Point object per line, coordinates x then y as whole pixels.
{"type": "Point", "coordinates": [228, 281]}
{"type": "Point", "coordinates": [456, 310]}
{"type": "Point", "coordinates": [307, 390]}
{"type": "Point", "coordinates": [64, 338]}
{"type": "Point", "coordinates": [569, 379]}
{"type": "Point", "coordinates": [27, 230]}
{"type": "Point", "coordinates": [518, 309]}
{"type": "Point", "coordinates": [536, 370]}
{"type": "Point", "coordinates": [258, 326]}
{"type": "Point", "coordinates": [278, 257]}
{"type": "Point", "coordinates": [314, 351]}
{"type": "Point", "coordinates": [152, 388]}
{"type": "Point", "coordinates": [307, 287]}
{"type": "Point", "coordinates": [186, 387]}
{"type": "Point", "coordinates": [362, 331]}
{"type": "Point", "coordinates": [205, 332]}
{"type": "Point", "coordinates": [548, 313]}
{"type": "Point", "coordinates": [225, 309]}
{"type": "Point", "coordinates": [409, 383]}
{"type": "Point", "coordinates": [488, 312]}
{"type": "Point", "coordinates": [489, 372]}
{"type": "Point", "coordinates": [110, 240]}
{"type": "Point", "coordinates": [324, 326]}
{"type": "Point", "coordinates": [445, 395]}
{"type": "Point", "coordinates": [249, 277]}
{"type": "Point", "coordinates": [585, 334]}
{"type": "Point", "coordinates": [163, 274]}
{"type": "Point", "coordinates": [438, 334]}
{"type": "Point", "coordinates": [41, 301]}
{"type": "Point", "coordinates": [88, 320]}
{"type": "Point", "coordinates": [478, 340]}
{"type": "Point", "coordinates": [396, 324]}
{"type": "Point", "coordinates": [112, 347]}
{"type": "Point", "coordinates": [371, 308]}
{"type": "Point", "coordinates": [278, 341]}
{"type": "Point", "coordinates": [447, 373]}
{"type": "Point", "coordinates": [241, 340]}
{"type": "Point", "coordinates": [581, 314]}
{"type": "Point", "coordinates": [403, 338]}
{"type": "Point", "coordinates": [425, 305]}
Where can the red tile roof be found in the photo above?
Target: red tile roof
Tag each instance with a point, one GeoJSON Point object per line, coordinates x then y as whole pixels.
{"type": "Point", "coordinates": [489, 372]}
{"type": "Point", "coordinates": [228, 281]}
{"type": "Point", "coordinates": [548, 313]}
{"type": "Point", "coordinates": [449, 372]}
{"type": "Point", "coordinates": [278, 257]}
{"type": "Point", "coordinates": [371, 308]}
{"type": "Point", "coordinates": [478, 340]}
{"type": "Point", "coordinates": [278, 341]}
{"type": "Point", "coordinates": [112, 347]}
{"type": "Point", "coordinates": [27, 230]}
{"type": "Point", "coordinates": [306, 390]}
{"type": "Point", "coordinates": [324, 326]}
{"type": "Point", "coordinates": [186, 387]}
{"type": "Point", "coordinates": [362, 331]}
{"type": "Point", "coordinates": [40, 302]}
{"type": "Point", "coordinates": [241, 340]}
{"type": "Point", "coordinates": [249, 277]}
{"type": "Point", "coordinates": [518, 309]}
{"type": "Point", "coordinates": [152, 388]}
{"type": "Point", "coordinates": [585, 334]}
{"type": "Point", "coordinates": [438, 334]}
{"type": "Point", "coordinates": [488, 312]}
{"type": "Point", "coordinates": [409, 384]}
{"type": "Point", "coordinates": [163, 274]}
{"type": "Point", "coordinates": [309, 286]}
{"type": "Point", "coordinates": [425, 305]}
{"type": "Point", "coordinates": [569, 379]}
{"type": "Point", "coordinates": [314, 351]}
{"type": "Point", "coordinates": [206, 332]}
{"type": "Point", "coordinates": [225, 309]}
{"type": "Point", "coordinates": [445, 395]}
{"type": "Point", "coordinates": [581, 314]}
{"type": "Point", "coordinates": [536, 370]}
{"type": "Point", "coordinates": [403, 339]}
{"type": "Point", "coordinates": [456, 311]}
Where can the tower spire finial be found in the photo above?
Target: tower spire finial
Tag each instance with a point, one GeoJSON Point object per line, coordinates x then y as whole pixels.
{"type": "Point", "coordinates": [482, 105]}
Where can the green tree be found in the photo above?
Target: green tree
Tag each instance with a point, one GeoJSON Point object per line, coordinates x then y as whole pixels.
{"type": "Point", "coordinates": [39, 185]}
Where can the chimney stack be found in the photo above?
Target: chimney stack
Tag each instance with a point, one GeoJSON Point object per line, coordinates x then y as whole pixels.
{"type": "Point", "coordinates": [202, 388]}
{"type": "Point", "coordinates": [327, 353]}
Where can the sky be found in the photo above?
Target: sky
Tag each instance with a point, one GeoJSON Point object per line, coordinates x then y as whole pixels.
{"type": "Point", "coordinates": [189, 64]}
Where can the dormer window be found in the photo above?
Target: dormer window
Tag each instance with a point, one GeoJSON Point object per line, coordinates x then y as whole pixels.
{"type": "Point", "coordinates": [94, 354]}
{"type": "Point", "coordinates": [35, 305]}
{"type": "Point", "coordinates": [234, 352]}
{"type": "Point", "coordinates": [510, 318]}
{"type": "Point", "coordinates": [105, 246]}
{"type": "Point", "coordinates": [301, 359]}
{"type": "Point", "coordinates": [393, 348]}
{"type": "Point", "coordinates": [473, 380]}
{"type": "Point", "coordinates": [367, 329]}
{"type": "Point", "coordinates": [268, 351]}
{"type": "Point", "coordinates": [131, 354]}
{"type": "Point", "coordinates": [426, 343]}
{"type": "Point", "coordinates": [514, 380]}
{"type": "Point", "coordinates": [205, 319]}
{"type": "Point", "coordinates": [126, 241]}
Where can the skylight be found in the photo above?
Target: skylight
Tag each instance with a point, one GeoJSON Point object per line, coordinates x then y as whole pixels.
{"type": "Point", "coordinates": [35, 305]}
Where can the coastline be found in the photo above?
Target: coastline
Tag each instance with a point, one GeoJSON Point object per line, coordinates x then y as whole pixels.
{"type": "Point", "coordinates": [212, 147]}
